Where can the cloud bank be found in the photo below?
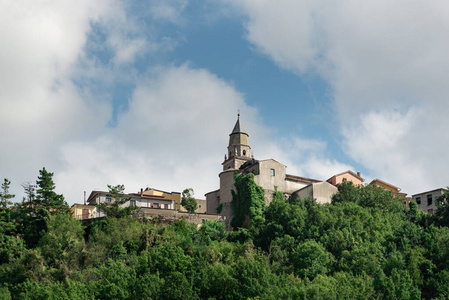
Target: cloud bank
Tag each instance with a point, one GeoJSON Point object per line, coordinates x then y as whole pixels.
{"type": "Point", "coordinates": [386, 62]}
{"type": "Point", "coordinates": [64, 63]}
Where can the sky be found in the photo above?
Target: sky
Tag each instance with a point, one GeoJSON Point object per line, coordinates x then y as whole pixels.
{"type": "Point", "coordinates": [145, 93]}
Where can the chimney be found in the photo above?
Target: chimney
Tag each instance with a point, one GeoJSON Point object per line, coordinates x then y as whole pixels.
{"type": "Point", "coordinates": [358, 174]}
{"type": "Point", "coordinates": [84, 197]}
{"type": "Point", "coordinates": [141, 191]}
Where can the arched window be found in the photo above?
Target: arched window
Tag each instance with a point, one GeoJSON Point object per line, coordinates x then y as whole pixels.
{"type": "Point", "coordinates": [244, 152]}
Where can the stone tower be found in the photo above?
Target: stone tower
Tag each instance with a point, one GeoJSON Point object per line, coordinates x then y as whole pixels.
{"type": "Point", "coordinates": [238, 153]}
{"type": "Point", "coordinates": [239, 150]}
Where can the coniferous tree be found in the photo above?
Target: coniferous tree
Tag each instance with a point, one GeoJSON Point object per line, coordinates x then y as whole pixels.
{"type": "Point", "coordinates": [46, 196]}
{"type": "Point", "coordinates": [7, 224]}
{"type": "Point", "coordinates": [5, 196]}
{"type": "Point", "coordinates": [33, 214]}
{"type": "Point", "coordinates": [30, 192]}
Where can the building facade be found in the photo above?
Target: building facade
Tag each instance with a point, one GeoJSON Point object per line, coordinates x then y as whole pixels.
{"type": "Point", "coordinates": [83, 211]}
{"type": "Point", "coordinates": [389, 187]}
{"type": "Point", "coordinates": [268, 173]}
{"type": "Point", "coordinates": [152, 203]}
{"type": "Point", "coordinates": [427, 200]}
{"type": "Point", "coordinates": [148, 200]}
{"type": "Point", "coordinates": [322, 192]}
{"type": "Point", "coordinates": [356, 179]}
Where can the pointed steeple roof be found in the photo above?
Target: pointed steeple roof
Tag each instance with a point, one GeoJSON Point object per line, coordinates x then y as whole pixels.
{"type": "Point", "coordinates": [238, 128]}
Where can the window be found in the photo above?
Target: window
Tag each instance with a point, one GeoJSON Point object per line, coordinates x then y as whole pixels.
{"type": "Point", "coordinates": [132, 203]}
{"type": "Point", "coordinates": [108, 199]}
{"type": "Point", "coordinates": [244, 152]}
{"type": "Point", "coordinates": [429, 199]}
{"type": "Point", "coordinates": [203, 221]}
{"type": "Point", "coordinates": [418, 200]}
{"type": "Point", "coordinates": [272, 172]}
{"type": "Point", "coordinates": [166, 206]}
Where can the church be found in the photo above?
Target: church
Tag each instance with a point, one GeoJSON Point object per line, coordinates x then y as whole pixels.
{"type": "Point", "coordinates": [268, 174]}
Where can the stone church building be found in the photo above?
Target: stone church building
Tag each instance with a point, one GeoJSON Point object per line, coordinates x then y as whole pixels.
{"type": "Point", "coordinates": [268, 174]}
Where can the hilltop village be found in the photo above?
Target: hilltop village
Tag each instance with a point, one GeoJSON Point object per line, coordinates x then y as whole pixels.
{"type": "Point", "coordinates": [269, 174]}
{"type": "Point", "coordinates": [264, 234]}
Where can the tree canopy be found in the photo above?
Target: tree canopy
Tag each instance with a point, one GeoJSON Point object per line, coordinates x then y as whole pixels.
{"type": "Point", "coordinates": [363, 245]}
{"type": "Point", "coordinates": [188, 201]}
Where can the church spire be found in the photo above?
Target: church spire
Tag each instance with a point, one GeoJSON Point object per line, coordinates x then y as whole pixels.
{"type": "Point", "coordinates": [239, 150]}
{"type": "Point", "coordinates": [238, 128]}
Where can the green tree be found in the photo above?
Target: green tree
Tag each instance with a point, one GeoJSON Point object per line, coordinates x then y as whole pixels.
{"type": "Point", "coordinates": [347, 191]}
{"type": "Point", "coordinates": [33, 214]}
{"type": "Point", "coordinates": [441, 216]}
{"type": "Point", "coordinates": [5, 196]}
{"type": "Point", "coordinates": [188, 201]}
{"type": "Point", "coordinates": [63, 243]}
{"type": "Point", "coordinates": [368, 196]}
{"type": "Point", "coordinates": [116, 208]}
{"type": "Point", "coordinates": [278, 196]}
{"type": "Point", "coordinates": [30, 192]}
{"type": "Point", "coordinates": [47, 197]}
{"type": "Point", "coordinates": [310, 259]}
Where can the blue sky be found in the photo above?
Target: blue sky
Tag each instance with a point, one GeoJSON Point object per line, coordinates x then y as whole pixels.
{"type": "Point", "coordinates": [146, 93]}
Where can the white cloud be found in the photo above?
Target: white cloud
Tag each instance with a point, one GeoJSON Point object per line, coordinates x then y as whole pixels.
{"type": "Point", "coordinates": [386, 62]}
{"type": "Point", "coordinates": [40, 106]}
{"type": "Point", "coordinates": [273, 25]}
{"type": "Point", "coordinates": [175, 129]}
{"type": "Point", "coordinates": [174, 135]}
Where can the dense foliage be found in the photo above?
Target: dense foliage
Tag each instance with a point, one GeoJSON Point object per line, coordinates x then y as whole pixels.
{"type": "Point", "coordinates": [364, 245]}
{"type": "Point", "coordinates": [248, 201]}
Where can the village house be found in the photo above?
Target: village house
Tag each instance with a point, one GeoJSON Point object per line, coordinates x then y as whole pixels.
{"type": "Point", "coordinates": [270, 174]}
{"type": "Point", "coordinates": [427, 200]}
{"type": "Point", "coordinates": [152, 203]}
{"type": "Point", "coordinates": [356, 179]}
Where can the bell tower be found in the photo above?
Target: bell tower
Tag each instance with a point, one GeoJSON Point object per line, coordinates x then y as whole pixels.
{"type": "Point", "coordinates": [239, 150]}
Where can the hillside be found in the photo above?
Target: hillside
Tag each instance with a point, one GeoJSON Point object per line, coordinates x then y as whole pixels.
{"type": "Point", "coordinates": [365, 245]}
